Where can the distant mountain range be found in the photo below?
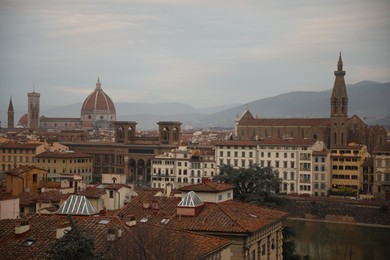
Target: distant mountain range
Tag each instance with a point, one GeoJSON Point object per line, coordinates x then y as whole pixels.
{"type": "Point", "coordinates": [370, 100]}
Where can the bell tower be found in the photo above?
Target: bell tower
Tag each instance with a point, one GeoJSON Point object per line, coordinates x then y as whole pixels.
{"type": "Point", "coordinates": [11, 122]}
{"type": "Point", "coordinates": [169, 132]}
{"type": "Point", "coordinates": [339, 108]}
{"type": "Point", "coordinates": [33, 110]}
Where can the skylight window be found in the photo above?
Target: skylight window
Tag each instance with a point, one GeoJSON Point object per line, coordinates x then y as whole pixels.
{"type": "Point", "coordinates": [104, 221]}
{"type": "Point", "coordinates": [28, 242]}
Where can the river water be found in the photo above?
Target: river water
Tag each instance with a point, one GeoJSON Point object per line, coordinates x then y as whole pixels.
{"type": "Point", "coordinates": [330, 241]}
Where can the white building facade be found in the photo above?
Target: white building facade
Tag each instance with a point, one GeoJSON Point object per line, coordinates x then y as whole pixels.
{"type": "Point", "coordinates": [294, 159]}
{"type": "Point", "coordinates": [182, 167]}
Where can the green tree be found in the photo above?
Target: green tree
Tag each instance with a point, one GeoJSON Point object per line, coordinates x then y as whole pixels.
{"type": "Point", "coordinates": [73, 245]}
{"type": "Point", "coordinates": [249, 182]}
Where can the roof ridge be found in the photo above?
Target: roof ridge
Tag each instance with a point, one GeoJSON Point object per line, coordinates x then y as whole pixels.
{"type": "Point", "coordinates": [235, 220]}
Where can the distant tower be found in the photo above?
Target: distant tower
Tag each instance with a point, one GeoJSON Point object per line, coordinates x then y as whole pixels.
{"type": "Point", "coordinates": [11, 115]}
{"type": "Point", "coordinates": [33, 110]}
{"type": "Point", "coordinates": [339, 109]}
{"type": "Point", "coordinates": [169, 132]}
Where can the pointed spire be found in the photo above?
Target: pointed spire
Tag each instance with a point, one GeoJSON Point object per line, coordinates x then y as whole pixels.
{"type": "Point", "coordinates": [340, 64]}
{"type": "Point", "coordinates": [339, 71]}
{"type": "Point", "coordinates": [98, 85]}
{"type": "Point", "coordinates": [10, 106]}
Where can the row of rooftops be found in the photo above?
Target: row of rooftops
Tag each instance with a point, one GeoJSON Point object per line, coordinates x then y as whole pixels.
{"type": "Point", "coordinates": [149, 207]}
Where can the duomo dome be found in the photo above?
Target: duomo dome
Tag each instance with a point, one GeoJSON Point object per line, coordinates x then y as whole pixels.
{"type": "Point", "coordinates": [98, 110]}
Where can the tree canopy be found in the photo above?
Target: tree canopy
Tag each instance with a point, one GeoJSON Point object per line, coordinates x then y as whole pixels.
{"type": "Point", "coordinates": [249, 181]}
{"type": "Point", "coordinates": [73, 245]}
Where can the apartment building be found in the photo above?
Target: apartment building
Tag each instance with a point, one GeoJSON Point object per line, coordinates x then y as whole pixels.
{"type": "Point", "coordinates": [293, 159]}
{"type": "Point", "coordinates": [68, 162]}
{"type": "Point", "coordinates": [238, 154]}
{"type": "Point", "coordinates": [346, 166]}
{"type": "Point", "coordinates": [321, 172]}
{"type": "Point", "coordinates": [183, 166]}
{"type": "Point", "coordinates": [13, 155]}
{"type": "Point", "coordinates": [381, 187]}
{"type": "Point", "coordinates": [25, 179]}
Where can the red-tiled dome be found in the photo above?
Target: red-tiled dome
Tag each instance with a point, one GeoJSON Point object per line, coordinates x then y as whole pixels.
{"type": "Point", "coordinates": [23, 120]}
{"type": "Point", "coordinates": [97, 101]}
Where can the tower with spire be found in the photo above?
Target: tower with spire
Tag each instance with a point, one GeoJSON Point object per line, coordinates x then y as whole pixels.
{"type": "Point", "coordinates": [339, 109]}
{"type": "Point", "coordinates": [11, 117]}
{"type": "Point", "coordinates": [33, 118]}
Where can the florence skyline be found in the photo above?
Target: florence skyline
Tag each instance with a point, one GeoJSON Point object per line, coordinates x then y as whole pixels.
{"type": "Point", "coordinates": [193, 52]}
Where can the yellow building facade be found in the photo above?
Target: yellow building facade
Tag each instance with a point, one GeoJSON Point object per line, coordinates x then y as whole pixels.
{"type": "Point", "coordinates": [346, 166]}
{"type": "Point", "coordinates": [57, 163]}
{"type": "Point", "coordinates": [25, 179]}
{"type": "Point", "coordinates": [13, 155]}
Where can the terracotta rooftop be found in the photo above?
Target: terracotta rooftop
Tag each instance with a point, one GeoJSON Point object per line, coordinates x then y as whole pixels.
{"type": "Point", "coordinates": [382, 148]}
{"type": "Point", "coordinates": [93, 192]}
{"type": "Point", "coordinates": [15, 145]}
{"type": "Point", "coordinates": [63, 154]}
{"type": "Point", "coordinates": [29, 198]}
{"type": "Point", "coordinates": [22, 169]}
{"type": "Point", "coordinates": [59, 119]}
{"type": "Point", "coordinates": [230, 216]}
{"type": "Point", "coordinates": [286, 141]}
{"type": "Point", "coordinates": [235, 143]}
{"type": "Point", "coordinates": [208, 186]}
{"type": "Point", "coordinates": [287, 122]}
{"type": "Point", "coordinates": [42, 234]}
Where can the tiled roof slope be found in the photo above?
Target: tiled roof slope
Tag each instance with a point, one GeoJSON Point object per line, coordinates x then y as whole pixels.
{"type": "Point", "coordinates": [28, 198]}
{"type": "Point", "coordinates": [208, 186]}
{"type": "Point", "coordinates": [287, 122]}
{"type": "Point", "coordinates": [231, 216]}
{"type": "Point", "coordinates": [57, 154]}
{"type": "Point", "coordinates": [43, 230]}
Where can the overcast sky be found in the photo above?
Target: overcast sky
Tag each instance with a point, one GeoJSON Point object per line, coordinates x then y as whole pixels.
{"type": "Point", "coordinates": [203, 53]}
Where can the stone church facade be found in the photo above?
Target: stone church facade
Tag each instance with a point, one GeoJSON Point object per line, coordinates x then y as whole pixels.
{"type": "Point", "coordinates": [336, 131]}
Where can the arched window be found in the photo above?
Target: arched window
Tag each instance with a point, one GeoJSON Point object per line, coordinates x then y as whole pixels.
{"type": "Point", "coordinates": [165, 134]}
{"type": "Point", "coordinates": [175, 134]}
{"type": "Point", "coordinates": [335, 104]}
{"type": "Point", "coordinates": [130, 133]}
{"type": "Point", "coordinates": [120, 134]}
{"type": "Point", "coordinates": [335, 138]}
{"type": "Point", "coordinates": [342, 105]}
{"type": "Point", "coordinates": [342, 138]}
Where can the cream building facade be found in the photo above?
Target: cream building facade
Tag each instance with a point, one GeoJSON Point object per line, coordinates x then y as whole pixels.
{"type": "Point", "coordinates": [182, 166]}
{"type": "Point", "coordinates": [382, 172]}
{"type": "Point", "coordinates": [292, 158]}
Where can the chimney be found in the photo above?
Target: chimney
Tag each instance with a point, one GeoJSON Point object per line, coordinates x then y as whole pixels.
{"type": "Point", "coordinates": [155, 204]}
{"type": "Point", "coordinates": [130, 220]}
{"type": "Point", "coordinates": [111, 234]}
{"type": "Point", "coordinates": [205, 180]}
{"type": "Point", "coordinates": [62, 228]}
{"type": "Point", "coordinates": [21, 226]}
{"type": "Point", "coordinates": [168, 189]}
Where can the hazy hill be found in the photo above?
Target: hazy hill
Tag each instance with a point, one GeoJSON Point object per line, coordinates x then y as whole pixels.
{"type": "Point", "coordinates": [368, 99]}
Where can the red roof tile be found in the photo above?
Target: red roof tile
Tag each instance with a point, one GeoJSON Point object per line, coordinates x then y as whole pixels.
{"type": "Point", "coordinates": [231, 216]}
{"type": "Point", "coordinates": [63, 154]}
{"type": "Point", "coordinates": [208, 186]}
